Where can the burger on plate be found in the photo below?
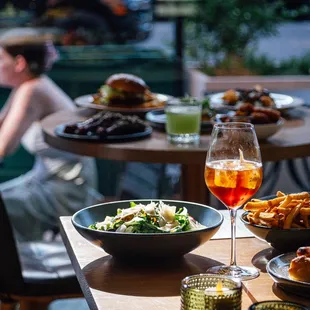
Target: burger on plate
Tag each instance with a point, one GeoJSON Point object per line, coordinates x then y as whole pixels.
{"type": "Point", "coordinates": [124, 89]}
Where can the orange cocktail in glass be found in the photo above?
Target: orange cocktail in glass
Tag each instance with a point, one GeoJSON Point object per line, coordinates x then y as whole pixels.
{"type": "Point", "coordinates": [233, 182]}
{"type": "Point", "coordinates": [233, 174]}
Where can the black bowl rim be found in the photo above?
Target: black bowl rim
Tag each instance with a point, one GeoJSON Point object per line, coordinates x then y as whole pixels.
{"type": "Point", "coordinates": [148, 234]}
{"type": "Point", "coordinates": [289, 303]}
{"type": "Point", "coordinates": [287, 280]}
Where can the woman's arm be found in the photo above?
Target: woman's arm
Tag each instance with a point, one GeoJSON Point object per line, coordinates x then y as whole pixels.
{"type": "Point", "coordinates": [21, 113]}
{"type": "Point", "coordinates": [5, 109]}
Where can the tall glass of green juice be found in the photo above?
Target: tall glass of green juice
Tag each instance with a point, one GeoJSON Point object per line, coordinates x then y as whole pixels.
{"type": "Point", "coordinates": [183, 120]}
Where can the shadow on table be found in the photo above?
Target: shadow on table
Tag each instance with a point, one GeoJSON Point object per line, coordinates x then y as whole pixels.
{"type": "Point", "coordinates": [144, 278]}
{"type": "Point", "coordinates": [261, 259]}
{"type": "Point", "coordinates": [280, 293]}
{"type": "Point", "coordinates": [296, 115]}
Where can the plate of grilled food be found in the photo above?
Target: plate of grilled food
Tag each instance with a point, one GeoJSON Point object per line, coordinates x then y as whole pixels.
{"type": "Point", "coordinates": [257, 96]}
{"type": "Point", "coordinates": [266, 121]}
{"type": "Point", "coordinates": [106, 127]}
{"type": "Point", "coordinates": [126, 93]}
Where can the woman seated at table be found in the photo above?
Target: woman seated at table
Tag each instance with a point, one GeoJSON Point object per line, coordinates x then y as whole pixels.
{"type": "Point", "coordinates": [59, 183]}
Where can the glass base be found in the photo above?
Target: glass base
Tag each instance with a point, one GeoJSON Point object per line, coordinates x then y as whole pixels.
{"type": "Point", "coordinates": [239, 272]}
{"type": "Point", "coordinates": [184, 138]}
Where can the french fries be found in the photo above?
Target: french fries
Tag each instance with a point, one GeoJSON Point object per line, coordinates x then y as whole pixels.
{"type": "Point", "coordinates": [284, 211]}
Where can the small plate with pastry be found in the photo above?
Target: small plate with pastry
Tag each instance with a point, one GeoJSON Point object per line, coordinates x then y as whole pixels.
{"type": "Point", "coordinates": [291, 271]}
{"type": "Point", "coordinates": [125, 93]}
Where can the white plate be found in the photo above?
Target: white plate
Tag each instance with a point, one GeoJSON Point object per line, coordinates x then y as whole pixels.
{"type": "Point", "coordinates": [282, 102]}
{"type": "Point", "coordinates": [87, 101]}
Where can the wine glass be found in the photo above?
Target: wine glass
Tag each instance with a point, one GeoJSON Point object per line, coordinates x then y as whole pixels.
{"type": "Point", "coordinates": [233, 174]}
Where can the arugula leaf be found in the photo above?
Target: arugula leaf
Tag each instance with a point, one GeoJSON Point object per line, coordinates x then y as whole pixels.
{"type": "Point", "coordinates": [150, 228]}
{"type": "Point", "coordinates": [205, 103]}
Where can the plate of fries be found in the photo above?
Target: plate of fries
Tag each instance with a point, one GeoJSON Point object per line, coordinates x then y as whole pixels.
{"type": "Point", "coordinates": [282, 220]}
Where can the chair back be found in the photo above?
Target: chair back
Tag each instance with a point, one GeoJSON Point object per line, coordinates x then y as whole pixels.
{"type": "Point", "coordinates": [11, 279]}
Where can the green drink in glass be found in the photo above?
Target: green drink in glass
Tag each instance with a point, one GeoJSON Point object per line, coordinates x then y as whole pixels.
{"type": "Point", "coordinates": [183, 121]}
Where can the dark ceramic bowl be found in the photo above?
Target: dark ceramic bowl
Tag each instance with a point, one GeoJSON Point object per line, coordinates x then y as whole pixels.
{"type": "Point", "coordinates": [276, 304]}
{"type": "Point", "coordinates": [278, 270]}
{"type": "Point", "coordinates": [284, 240]}
{"type": "Point", "coordinates": [133, 245]}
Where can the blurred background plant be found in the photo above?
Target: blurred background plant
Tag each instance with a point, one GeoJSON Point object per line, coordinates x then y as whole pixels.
{"type": "Point", "coordinates": [222, 35]}
{"type": "Point", "coordinates": [263, 65]}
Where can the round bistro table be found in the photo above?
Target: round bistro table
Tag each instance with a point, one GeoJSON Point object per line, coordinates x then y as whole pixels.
{"type": "Point", "coordinates": [292, 141]}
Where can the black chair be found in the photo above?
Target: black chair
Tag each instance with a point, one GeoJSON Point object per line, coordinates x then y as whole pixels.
{"type": "Point", "coordinates": [33, 274]}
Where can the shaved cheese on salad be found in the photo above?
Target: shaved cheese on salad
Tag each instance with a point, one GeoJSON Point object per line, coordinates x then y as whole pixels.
{"type": "Point", "coordinates": [155, 217]}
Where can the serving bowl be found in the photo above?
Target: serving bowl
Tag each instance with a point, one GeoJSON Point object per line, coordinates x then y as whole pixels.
{"type": "Point", "coordinates": [263, 131]}
{"type": "Point", "coordinates": [147, 245]}
{"type": "Point", "coordinates": [276, 304]}
{"type": "Point", "coordinates": [283, 240]}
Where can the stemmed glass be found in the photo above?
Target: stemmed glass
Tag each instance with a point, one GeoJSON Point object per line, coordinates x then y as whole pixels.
{"type": "Point", "coordinates": [233, 174]}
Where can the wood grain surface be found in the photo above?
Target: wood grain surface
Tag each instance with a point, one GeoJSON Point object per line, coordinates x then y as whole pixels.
{"type": "Point", "coordinates": [113, 285]}
{"type": "Point", "coordinates": [292, 141]}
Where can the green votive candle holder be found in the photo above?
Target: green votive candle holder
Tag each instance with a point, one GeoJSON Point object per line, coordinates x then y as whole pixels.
{"type": "Point", "coordinates": [276, 305]}
{"type": "Point", "coordinates": [200, 292]}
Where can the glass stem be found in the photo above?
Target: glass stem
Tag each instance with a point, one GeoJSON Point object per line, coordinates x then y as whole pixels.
{"type": "Point", "coordinates": [233, 213]}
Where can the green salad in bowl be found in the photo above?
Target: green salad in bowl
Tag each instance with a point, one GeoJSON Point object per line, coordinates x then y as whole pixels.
{"type": "Point", "coordinates": [147, 228]}
{"type": "Point", "coordinates": [154, 217]}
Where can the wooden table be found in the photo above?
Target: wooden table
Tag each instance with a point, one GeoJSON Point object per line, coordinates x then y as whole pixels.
{"type": "Point", "coordinates": [109, 284]}
{"type": "Point", "coordinates": [290, 142]}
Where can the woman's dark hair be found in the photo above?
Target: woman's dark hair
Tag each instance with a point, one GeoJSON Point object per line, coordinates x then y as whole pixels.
{"type": "Point", "coordinates": [35, 53]}
{"type": "Point", "coordinates": [38, 50]}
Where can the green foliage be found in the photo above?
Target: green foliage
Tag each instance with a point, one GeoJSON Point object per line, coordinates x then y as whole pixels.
{"type": "Point", "coordinates": [223, 30]}
{"type": "Point", "coordinates": [230, 25]}
{"type": "Point", "coordinates": [262, 65]}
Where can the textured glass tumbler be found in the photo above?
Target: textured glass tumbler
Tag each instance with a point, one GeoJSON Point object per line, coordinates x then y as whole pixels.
{"type": "Point", "coordinates": [183, 119]}
{"type": "Point", "coordinates": [198, 292]}
{"type": "Point", "coordinates": [276, 305]}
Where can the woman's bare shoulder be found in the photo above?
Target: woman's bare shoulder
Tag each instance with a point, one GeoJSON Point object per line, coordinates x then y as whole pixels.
{"type": "Point", "coordinates": [32, 88]}
{"type": "Point", "coordinates": [45, 90]}
{"type": "Point", "coordinates": [42, 86]}
{"type": "Point", "coordinates": [23, 93]}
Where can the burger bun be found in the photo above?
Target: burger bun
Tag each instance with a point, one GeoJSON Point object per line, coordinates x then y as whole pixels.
{"type": "Point", "coordinates": [127, 82]}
